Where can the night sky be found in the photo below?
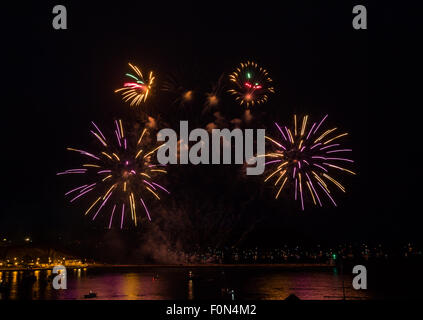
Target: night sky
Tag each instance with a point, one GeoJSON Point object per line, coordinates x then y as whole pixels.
{"type": "Point", "coordinates": [63, 79]}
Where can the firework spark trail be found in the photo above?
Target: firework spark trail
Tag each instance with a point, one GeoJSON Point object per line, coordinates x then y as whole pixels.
{"type": "Point", "coordinates": [71, 171]}
{"type": "Point", "coordinates": [146, 209]}
{"type": "Point", "coordinates": [81, 194]}
{"type": "Point", "coordinates": [306, 161]}
{"type": "Point", "coordinates": [119, 172]}
{"type": "Point", "coordinates": [251, 84]}
{"type": "Point", "coordinates": [138, 91]}
{"type": "Point", "coordinates": [111, 217]}
{"type": "Point", "coordinates": [161, 187]}
{"type": "Point", "coordinates": [77, 188]}
{"type": "Point", "coordinates": [123, 215]}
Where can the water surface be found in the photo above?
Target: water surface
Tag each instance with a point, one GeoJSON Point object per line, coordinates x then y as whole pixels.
{"type": "Point", "coordinates": [173, 283]}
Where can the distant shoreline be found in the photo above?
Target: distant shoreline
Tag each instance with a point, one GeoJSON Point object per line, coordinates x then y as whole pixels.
{"type": "Point", "coordinates": [202, 265]}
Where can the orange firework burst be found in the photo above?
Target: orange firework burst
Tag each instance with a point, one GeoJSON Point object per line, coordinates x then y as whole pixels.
{"type": "Point", "coordinates": [138, 90]}
{"type": "Point", "coordinates": [251, 84]}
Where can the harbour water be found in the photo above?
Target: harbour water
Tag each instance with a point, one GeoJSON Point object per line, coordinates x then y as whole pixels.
{"type": "Point", "coordinates": [175, 283]}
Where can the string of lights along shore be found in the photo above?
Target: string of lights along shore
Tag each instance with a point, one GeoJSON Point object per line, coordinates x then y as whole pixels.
{"type": "Point", "coordinates": [122, 176]}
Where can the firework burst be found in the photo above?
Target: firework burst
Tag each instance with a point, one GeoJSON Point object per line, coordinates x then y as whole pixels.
{"type": "Point", "coordinates": [305, 159]}
{"type": "Point", "coordinates": [120, 176]}
{"type": "Point", "coordinates": [251, 84]}
{"type": "Point", "coordinates": [138, 89]}
{"type": "Point", "coordinates": [213, 97]}
{"type": "Point", "coordinates": [182, 95]}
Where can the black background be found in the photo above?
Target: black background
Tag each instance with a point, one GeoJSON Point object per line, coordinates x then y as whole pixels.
{"type": "Point", "coordinates": [60, 80]}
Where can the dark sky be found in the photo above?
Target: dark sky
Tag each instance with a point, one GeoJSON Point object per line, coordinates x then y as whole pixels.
{"type": "Point", "coordinates": [64, 79]}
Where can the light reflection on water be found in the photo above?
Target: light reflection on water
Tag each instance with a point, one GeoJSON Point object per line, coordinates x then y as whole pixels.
{"type": "Point", "coordinates": [174, 284]}
{"type": "Point", "coordinates": [305, 285]}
